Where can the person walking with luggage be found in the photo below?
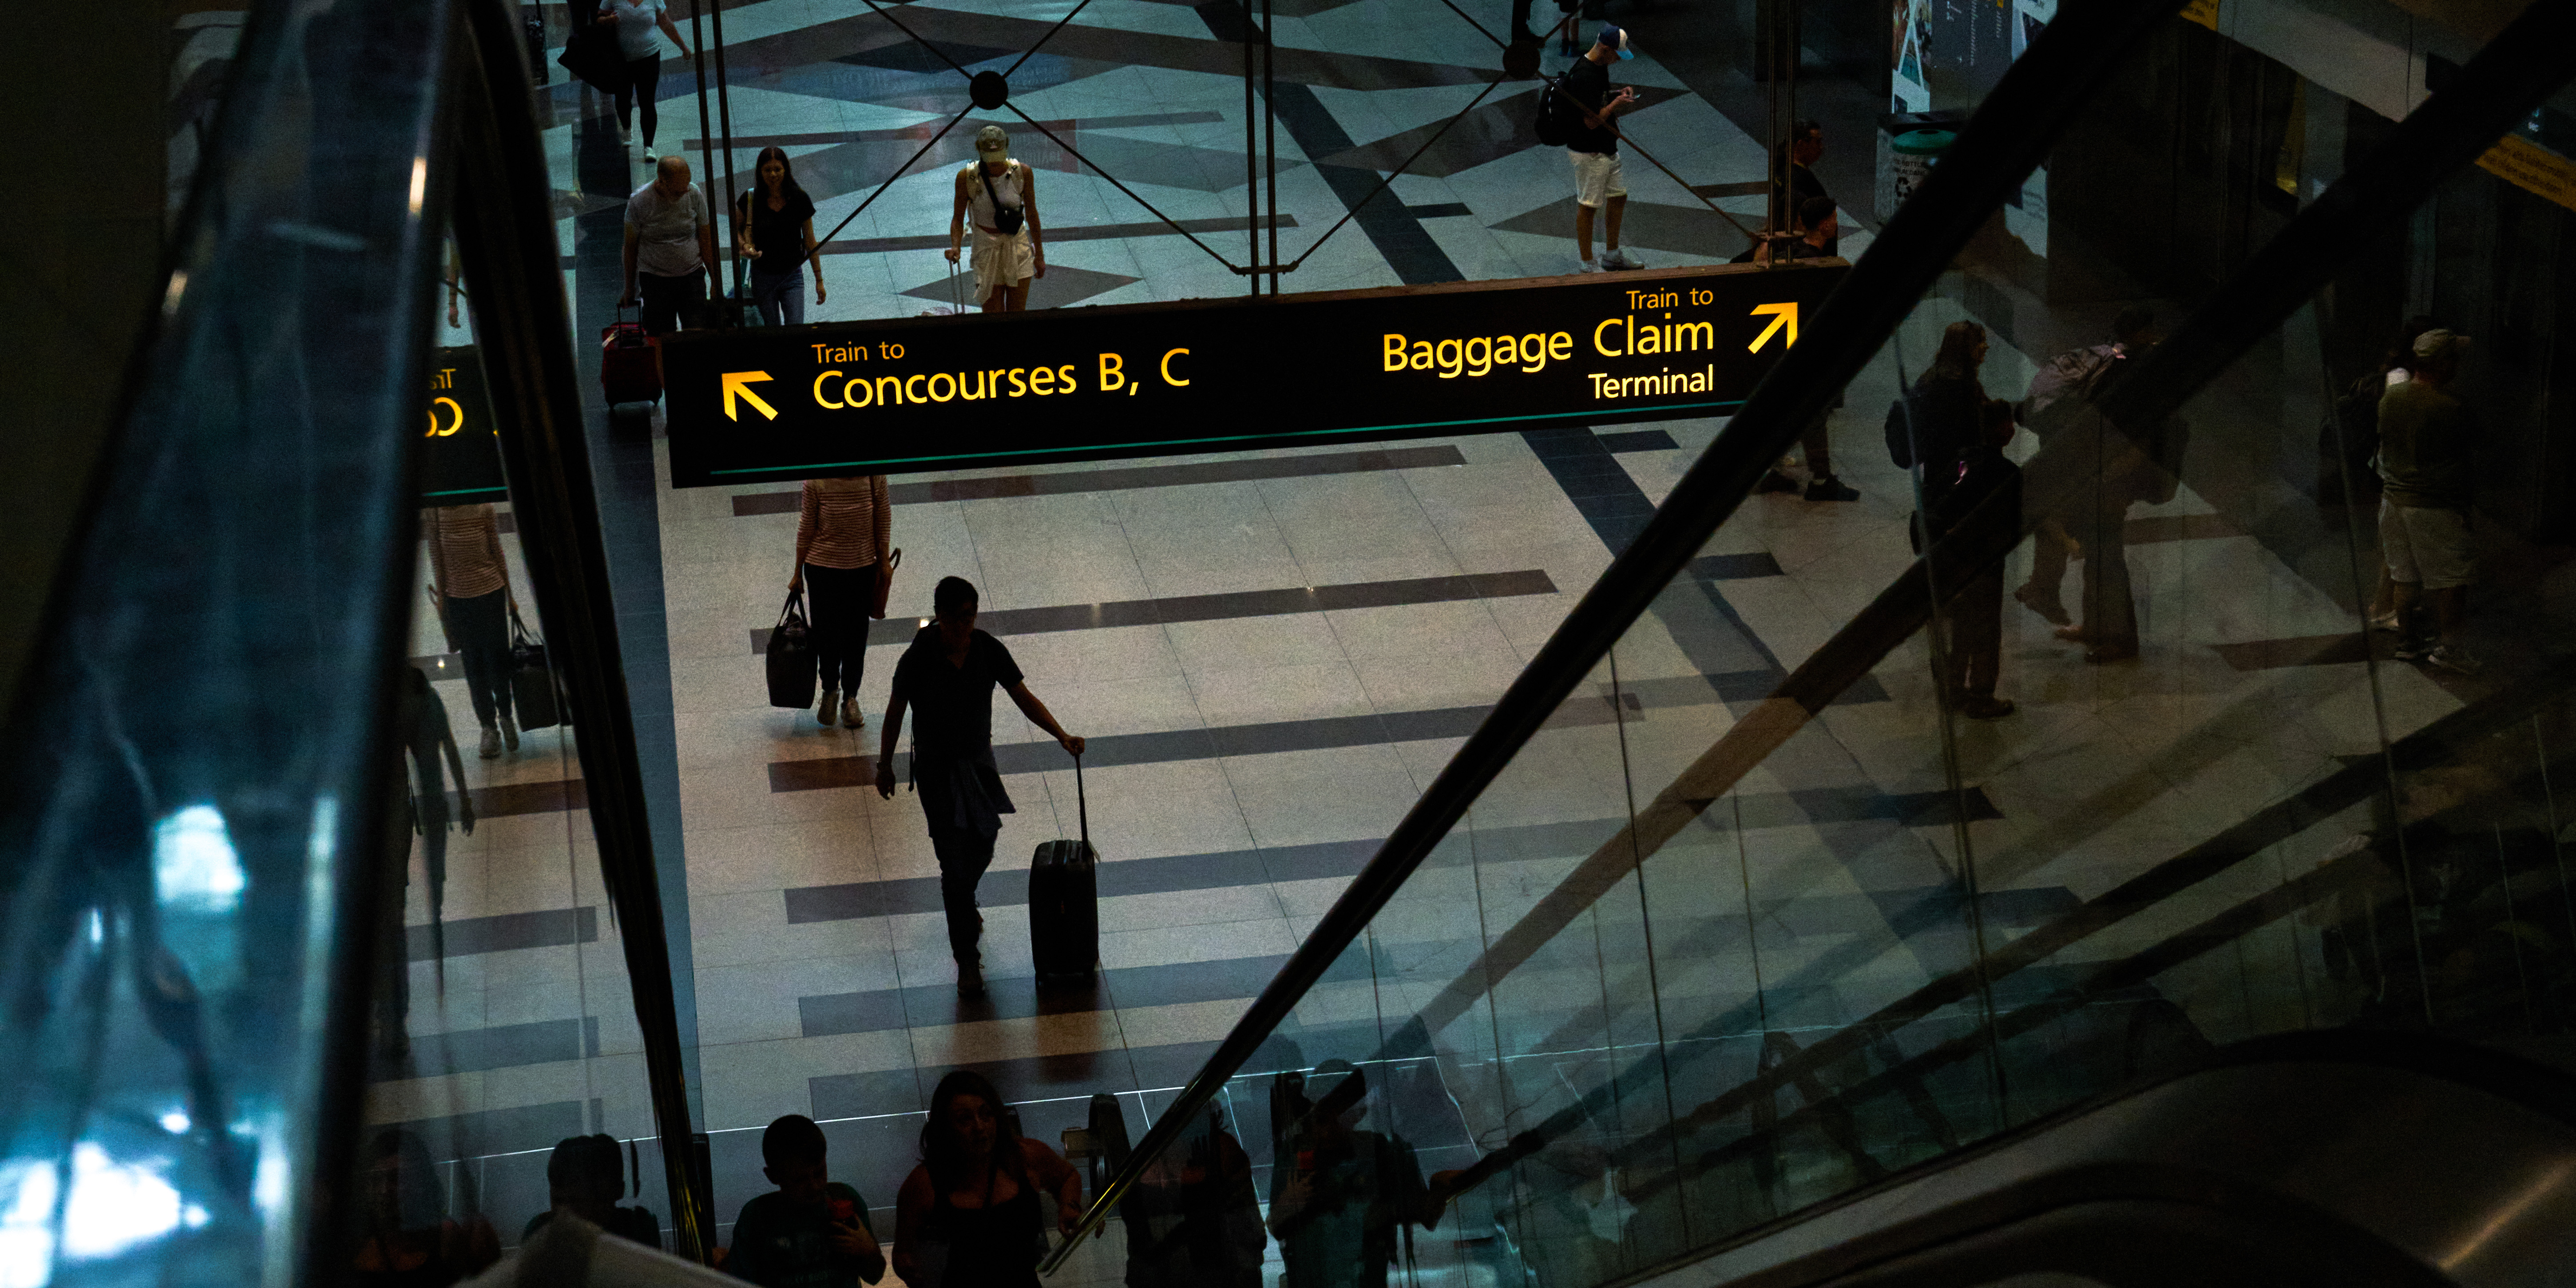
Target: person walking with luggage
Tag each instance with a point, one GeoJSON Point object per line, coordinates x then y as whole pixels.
{"type": "Point", "coordinates": [640, 45]}
{"type": "Point", "coordinates": [1592, 143]}
{"type": "Point", "coordinates": [1001, 195]}
{"type": "Point", "coordinates": [470, 584]}
{"type": "Point", "coordinates": [968, 1216]}
{"type": "Point", "coordinates": [948, 676]}
{"type": "Point", "coordinates": [841, 544]}
{"type": "Point", "coordinates": [774, 229]}
{"type": "Point", "coordinates": [670, 241]}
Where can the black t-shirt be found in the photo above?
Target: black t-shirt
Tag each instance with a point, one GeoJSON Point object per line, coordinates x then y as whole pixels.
{"type": "Point", "coordinates": [779, 235]}
{"type": "Point", "coordinates": [780, 1243]}
{"type": "Point", "coordinates": [952, 706]}
{"type": "Point", "coordinates": [1589, 85]}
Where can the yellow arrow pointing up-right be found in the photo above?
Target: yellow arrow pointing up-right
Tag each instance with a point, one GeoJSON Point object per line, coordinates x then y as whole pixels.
{"type": "Point", "coordinates": [1786, 315]}
{"type": "Point", "coordinates": [737, 385]}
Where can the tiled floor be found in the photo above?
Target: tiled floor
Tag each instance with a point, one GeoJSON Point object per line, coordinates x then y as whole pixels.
{"type": "Point", "coordinates": [1274, 654]}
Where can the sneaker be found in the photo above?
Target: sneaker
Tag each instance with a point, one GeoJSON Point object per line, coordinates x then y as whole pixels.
{"type": "Point", "coordinates": [1775, 481]}
{"type": "Point", "coordinates": [1620, 259]}
{"type": "Point", "coordinates": [1985, 706]}
{"type": "Point", "coordinates": [2454, 659]}
{"type": "Point", "coordinates": [491, 743]}
{"type": "Point", "coordinates": [1588, 266]}
{"type": "Point", "coordinates": [651, 156]}
{"type": "Point", "coordinates": [2409, 650]}
{"type": "Point", "coordinates": [823, 713]}
{"type": "Point", "coordinates": [2045, 603]}
{"type": "Point", "coordinates": [1829, 488]}
{"type": "Point", "coordinates": [509, 733]}
{"type": "Point", "coordinates": [625, 134]}
{"type": "Point", "coordinates": [850, 717]}
{"type": "Point", "coordinates": [2388, 622]}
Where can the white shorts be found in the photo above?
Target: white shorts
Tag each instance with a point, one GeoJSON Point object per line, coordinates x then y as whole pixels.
{"type": "Point", "coordinates": [1597, 177]}
{"type": "Point", "coordinates": [1001, 261]}
{"type": "Point", "coordinates": [2425, 546]}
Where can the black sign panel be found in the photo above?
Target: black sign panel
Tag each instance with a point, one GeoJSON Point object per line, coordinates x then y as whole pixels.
{"type": "Point", "coordinates": [460, 463]}
{"type": "Point", "coordinates": [887, 397]}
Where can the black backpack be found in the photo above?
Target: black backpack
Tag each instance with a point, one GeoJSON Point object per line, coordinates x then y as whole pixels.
{"type": "Point", "coordinates": [1554, 121]}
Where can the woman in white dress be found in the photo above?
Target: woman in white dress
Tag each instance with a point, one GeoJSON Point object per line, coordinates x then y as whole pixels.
{"type": "Point", "coordinates": [1001, 195]}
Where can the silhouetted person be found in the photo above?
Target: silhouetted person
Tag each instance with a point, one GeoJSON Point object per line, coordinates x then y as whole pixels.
{"type": "Point", "coordinates": [2425, 445]}
{"type": "Point", "coordinates": [1818, 228]}
{"type": "Point", "coordinates": [420, 720]}
{"type": "Point", "coordinates": [968, 1217]}
{"type": "Point", "coordinates": [810, 1232]}
{"type": "Point", "coordinates": [1192, 1216]}
{"type": "Point", "coordinates": [405, 1239]}
{"type": "Point", "coordinates": [2057, 392]}
{"type": "Point", "coordinates": [585, 1176]}
{"type": "Point", "coordinates": [1949, 429]}
{"type": "Point", "coordinates": [1340, 1196]}
{"type": "Point", "coordinates": [948, 676]}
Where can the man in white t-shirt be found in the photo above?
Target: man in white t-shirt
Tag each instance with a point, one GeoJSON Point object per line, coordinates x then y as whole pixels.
{"type": "Point", "coordinates": [670, 242]}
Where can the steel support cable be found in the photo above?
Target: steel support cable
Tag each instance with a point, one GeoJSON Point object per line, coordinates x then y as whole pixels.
{"type": "Point", "coordinates": [2011, 131]}
{"type": "Point", "coordinates": [2511, 76]}
{"type": "Point", "coordinates": [1113, 179]}
{"type": "Point", "coordinates": [1032, 50]}
{"type": "Point", "coordinates": [1389, 177]}
{"type": "Point", "coordinates": [923, 150]}
{"type": "Point", "coordinates": [898, 25]}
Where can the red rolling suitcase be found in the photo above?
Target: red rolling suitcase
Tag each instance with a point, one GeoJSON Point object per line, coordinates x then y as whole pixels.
{"type": "Point", "coordinates": [1064, 899]}
{"type": "Point", "coordinates": [628, 368]}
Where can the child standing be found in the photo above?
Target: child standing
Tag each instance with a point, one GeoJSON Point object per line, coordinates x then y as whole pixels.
{"type": "Point", "coordinates": [812, 1232]}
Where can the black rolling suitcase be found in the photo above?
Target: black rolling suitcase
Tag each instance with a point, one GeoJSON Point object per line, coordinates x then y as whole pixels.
{"type": "Point", "coordinates": [1064, 899]}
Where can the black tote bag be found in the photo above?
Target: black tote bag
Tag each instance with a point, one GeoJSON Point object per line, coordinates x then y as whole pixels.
{"type": "Point", "coordinates": [591, 54]}
{"type": "Point", "coordinates": [791, 657]}
{"type": "Point", "coordinates": [532, 682]}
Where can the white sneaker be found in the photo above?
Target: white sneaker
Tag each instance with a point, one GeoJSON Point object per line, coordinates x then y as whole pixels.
{"type": "Point", "coordinates": [491, 743]}
{"type": "Point", "coordinates": [2454, 659]}
{"type": "Point", "coordinates": [823, 713]}
{"type": "Point", "coordinates": [1588, 266]}
{"type": "Point", "coordinates": [625, 134]}
{"type": "Point", "coordinates": [510, 733]}
{"type": "Point", "coordinates": [1620, 259]}
{"type": "Point", "coordinates": [850, 717]}
{"type": "Point", "coordinates": [651, 156]}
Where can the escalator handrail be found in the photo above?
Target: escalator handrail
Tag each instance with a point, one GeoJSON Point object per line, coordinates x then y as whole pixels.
{"type": "Point", "coordinates": [2009, 134]}
{"type": "Point", "coordinates": [505, 230]}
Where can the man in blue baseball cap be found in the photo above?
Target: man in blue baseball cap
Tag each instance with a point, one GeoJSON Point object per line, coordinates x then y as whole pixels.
{"type": "Point", "coordinates": [1593, 144]}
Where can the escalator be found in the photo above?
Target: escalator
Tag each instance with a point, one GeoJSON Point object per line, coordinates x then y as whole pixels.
{"type": "Point", "coordinates": [2254, 960]}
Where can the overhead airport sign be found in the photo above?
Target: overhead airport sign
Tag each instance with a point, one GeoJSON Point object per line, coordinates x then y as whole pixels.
{"type": "Point", "coordinates": [460, 461]}
{"type": "Point", "coordinates": [903, 395]}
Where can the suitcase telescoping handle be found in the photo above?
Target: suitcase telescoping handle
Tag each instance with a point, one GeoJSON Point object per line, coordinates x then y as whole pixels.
{"type": "Point", "coordinates": [1081, 807]}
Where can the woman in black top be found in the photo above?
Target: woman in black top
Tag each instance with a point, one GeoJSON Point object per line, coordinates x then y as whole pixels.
{"type": "Point", "coordinates": [774, 229]}
{"type": "Point", "coordinates": [968, 1216]}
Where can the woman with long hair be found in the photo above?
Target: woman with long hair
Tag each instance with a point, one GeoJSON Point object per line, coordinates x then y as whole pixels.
{"type": "Point", "coordinates": [968, 1216]}
{"type": "Point", "coordinates": [773, 227]}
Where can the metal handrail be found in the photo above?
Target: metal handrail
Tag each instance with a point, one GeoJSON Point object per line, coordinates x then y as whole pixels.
{"type": "Point", "coordinates": [2009, 134]}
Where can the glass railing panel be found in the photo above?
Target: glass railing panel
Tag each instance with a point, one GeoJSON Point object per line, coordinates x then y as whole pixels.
{"type": "Point", "coordinates": [505, 1078]}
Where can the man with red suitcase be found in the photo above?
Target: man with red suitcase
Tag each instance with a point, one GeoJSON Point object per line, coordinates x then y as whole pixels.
{"type": "Point", "coordinates": [670, 245]}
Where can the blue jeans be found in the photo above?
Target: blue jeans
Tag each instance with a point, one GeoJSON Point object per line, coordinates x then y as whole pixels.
{"type": "Point", "coordinates": [780, 295]}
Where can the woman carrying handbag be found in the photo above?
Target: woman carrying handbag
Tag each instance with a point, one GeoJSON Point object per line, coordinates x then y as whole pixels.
{"type": "Point", "coordinates": [843, 558]}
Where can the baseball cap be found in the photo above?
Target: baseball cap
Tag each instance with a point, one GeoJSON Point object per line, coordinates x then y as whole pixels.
{"type": "Point", "coordinates": [1617, 40]}
{"type": "Point", "coordinates": [992, 138]}
{"type": "Point", "coordinates": [2440, 343]}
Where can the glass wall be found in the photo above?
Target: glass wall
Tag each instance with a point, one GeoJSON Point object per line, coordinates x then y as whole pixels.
{"type": "Point", "coordinates": [2255, 730]}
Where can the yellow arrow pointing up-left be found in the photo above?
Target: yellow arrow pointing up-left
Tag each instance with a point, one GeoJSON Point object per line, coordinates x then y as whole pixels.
{"type": "Point", "coordinates": [1783, 315]}
{"type": "Point", "coordinates": [737, 384]}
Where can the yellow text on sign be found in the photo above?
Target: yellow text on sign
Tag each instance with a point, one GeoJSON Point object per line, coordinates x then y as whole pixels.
{"type": "Point", "coordinates": [452, 426]}
{"type": "Point", "coordinates": [1783, 316]}
{"type": "Point", "coordinates": [737, 385]}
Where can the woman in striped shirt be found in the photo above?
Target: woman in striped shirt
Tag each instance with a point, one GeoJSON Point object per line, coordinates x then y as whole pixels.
{"type": "Point", "coordinates": [841, 541]}
{"type": "Point", "coordinates": [470, 582]}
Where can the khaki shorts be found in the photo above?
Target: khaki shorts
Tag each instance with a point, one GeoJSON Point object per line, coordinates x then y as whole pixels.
{"type": "Point", "coordinates": [2425, 546]}
{"type": "Point", "coordinates": [1002, 261]}
{"type": "Point", "coordinates": [1597, 177]}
